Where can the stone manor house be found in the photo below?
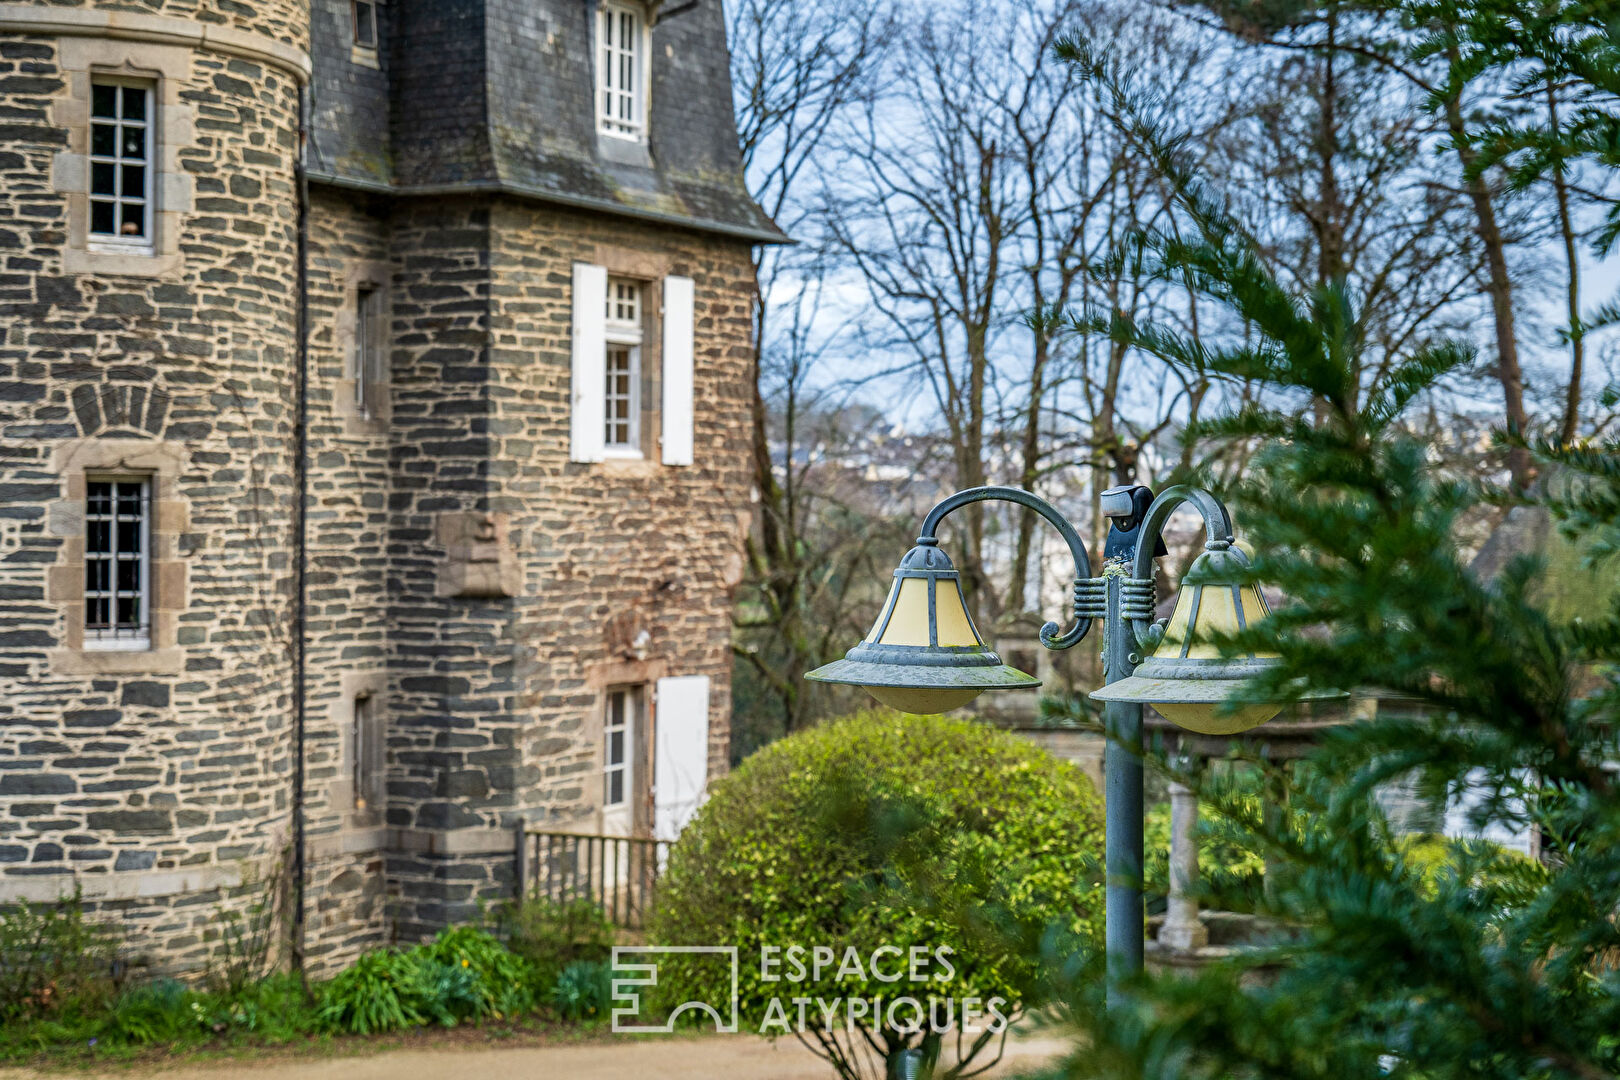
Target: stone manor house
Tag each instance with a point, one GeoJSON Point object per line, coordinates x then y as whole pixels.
{"type": "Point", "coordinates": [473, 274]}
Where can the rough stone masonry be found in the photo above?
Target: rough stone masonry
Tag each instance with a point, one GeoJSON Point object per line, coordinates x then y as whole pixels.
{"type": "Point", "coordinates": [476, 584]}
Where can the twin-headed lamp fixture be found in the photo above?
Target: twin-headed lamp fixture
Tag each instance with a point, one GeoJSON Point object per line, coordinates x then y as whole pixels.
{"type": "Point", "coordinates": [925, 655]}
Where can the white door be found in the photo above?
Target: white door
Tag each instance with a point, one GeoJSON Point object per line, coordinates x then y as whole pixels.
{"type": "Point", "coordinates": [681, 754]}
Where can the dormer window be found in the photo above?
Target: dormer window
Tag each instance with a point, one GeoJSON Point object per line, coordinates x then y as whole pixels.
{"type": "Point", "coordinates": [621, 98]}
{"type": "Point", "coordinates": [364, 15]}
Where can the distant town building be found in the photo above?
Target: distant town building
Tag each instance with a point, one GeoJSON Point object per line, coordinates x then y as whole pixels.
{"type": "Point", "coordinates": [489, 263]}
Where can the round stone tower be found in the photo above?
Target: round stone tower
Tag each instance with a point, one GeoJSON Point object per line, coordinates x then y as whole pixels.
{"type": "Point", "coordinates": [148, 358]}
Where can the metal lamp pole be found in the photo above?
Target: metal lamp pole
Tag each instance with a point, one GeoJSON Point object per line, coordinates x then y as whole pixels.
{"type": "Point", "coordinates": [1122, 792]}
{"type": "Point", "coordinates": [1122, 598]}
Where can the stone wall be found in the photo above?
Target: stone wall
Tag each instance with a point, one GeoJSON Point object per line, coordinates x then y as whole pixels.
{"type": "Point", "coordinates": [158, 781]}
{"type": "Point", "coordinates": [619, 547]}
{"type": "Point", "coordinates": [347, 605]}
{"type": "Point", "coordinates": [496, 701]}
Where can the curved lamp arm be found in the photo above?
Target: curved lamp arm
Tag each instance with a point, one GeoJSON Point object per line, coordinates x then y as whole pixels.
{"type": "Point", "coordinates": [1050, 635]}
{"type": "Point", "coordinates": [1217, 532]}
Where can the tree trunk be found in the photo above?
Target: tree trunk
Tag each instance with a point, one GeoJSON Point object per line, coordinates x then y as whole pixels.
{"type": "Point", "coordinates": [1500, 289]}
{"type": "Point", "coordinates": [1577, 344]}
{"type": "Point", "coordinates": [775, 546]}
{"type": "Point", "coordinates": [1029, 473]}
{"type": "Point", "coordinates": [1329, 223]}
{"type": "Point", "coordinates": [969, 474]}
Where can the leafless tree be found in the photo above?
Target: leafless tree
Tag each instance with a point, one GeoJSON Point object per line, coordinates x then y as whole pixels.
{"type": "Point", "coordinates": [796, 70]}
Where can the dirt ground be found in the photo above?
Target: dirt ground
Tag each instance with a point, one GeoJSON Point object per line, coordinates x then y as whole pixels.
{"type": "Point", "coordinates": [739, 1057]}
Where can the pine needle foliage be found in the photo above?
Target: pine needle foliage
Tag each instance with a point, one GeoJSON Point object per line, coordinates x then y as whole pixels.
{"type": "Point", "coordinates": [1490, 966]}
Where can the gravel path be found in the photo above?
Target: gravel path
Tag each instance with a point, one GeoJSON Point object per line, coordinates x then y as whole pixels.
{"type": "Point", "coordinates": [742, 1057]}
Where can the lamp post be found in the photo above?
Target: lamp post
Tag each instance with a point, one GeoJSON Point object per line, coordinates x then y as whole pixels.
{"type": "Point", "coordinates": [925, 655]}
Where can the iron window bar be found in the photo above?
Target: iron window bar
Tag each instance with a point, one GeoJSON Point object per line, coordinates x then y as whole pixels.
{"type": "Point", "coordinates": [117, 577]}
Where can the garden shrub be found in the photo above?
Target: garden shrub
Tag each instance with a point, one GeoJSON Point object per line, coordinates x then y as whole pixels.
{"type": "Point", "coordinates": [501, 981]}
{"type": "Point", "coordinates": [51, 954]}
{"type": "Point", "coordinates": [449, 993]}
{"type": "Point", "coordinates": [382, 990]}
{"type": "Point", "coordinates": [1479, 864]}
{"type": "Point", "coordinates": [167, 1013]}
{"type": "Point", "coordinates": [583, 990]}
{"type": "Point", "coordinates": [1231, 867]}
{"type": "Point", "coordinates": [463, 974]}
{"type": "Point", "coordinates": [551, 936]}
{"type": "Point", "coordinates": [886, 830]}
{"type": "Point", "coordinates": [163, 1012]}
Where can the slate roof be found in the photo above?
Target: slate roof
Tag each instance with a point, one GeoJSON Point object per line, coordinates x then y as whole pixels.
{"type": "Point", "coordinates": [497, 95]}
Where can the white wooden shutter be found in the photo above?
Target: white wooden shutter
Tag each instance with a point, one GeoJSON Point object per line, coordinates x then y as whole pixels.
{"type": "Point", "coordinates": [677, 371]}
{"type": "Point", "coordinates": [588, 408]}
{"type": "Point", "coordinates": [681, 756]}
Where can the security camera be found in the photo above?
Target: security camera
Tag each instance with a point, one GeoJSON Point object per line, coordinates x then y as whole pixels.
{"type": "Point", "coordinates": [1125, 506]}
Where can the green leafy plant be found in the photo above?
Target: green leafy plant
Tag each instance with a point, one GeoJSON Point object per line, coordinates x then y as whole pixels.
{"type": "Point", "coordinates": [500, 982]}
{"type": "Point", "coordinates": [583, 990]}
{"type": "Point", "coordinates": [551, 935]}
{"type": "Point", "coordinates": [53, 954]}
{"type": "Point", "coordinates": [274, 1009]}
{"type": "Point", "coordinates": [464, 974]}
{"type": "Point", "coordinates": [383, 990]}
{"type": "Point", "coordinates": [882, 830]}
{"type": "Point", "coordinates": [159, 1013]}
{"type": "Point", "coordinates": [246, 938]}
{"type": "Point", "coordinates": [1231, 865]}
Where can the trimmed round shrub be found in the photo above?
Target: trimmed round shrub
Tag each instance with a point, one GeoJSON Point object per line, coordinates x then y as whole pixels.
{"type": "Point", "coordinates": [885, 831]}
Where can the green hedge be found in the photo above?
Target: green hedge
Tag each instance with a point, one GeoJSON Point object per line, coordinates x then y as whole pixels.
{"type": "Point", "coordinates": [886, 830]}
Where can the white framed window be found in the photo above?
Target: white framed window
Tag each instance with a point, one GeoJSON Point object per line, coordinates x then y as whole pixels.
{"type": "Point", "coordinates": [117, 562]}
{"type": "Point", "coordinates": [366, 754]}
{"type": "Point", "coordinates": [621, 80]}
{"type": "Point", "coordinates": [121, 164]}
{"type": "Point", "coordinates": [622, 369]}
{"type": "Point", "coordinates": [369, 362]}
{"type": "Point", "coordinates": [618, 741]}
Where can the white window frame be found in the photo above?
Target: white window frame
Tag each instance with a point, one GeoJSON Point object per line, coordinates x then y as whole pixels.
{"type": "Point", "coordinates": [612, 61]}
{"type": "Point", "coordinates": [113, 243]}
{"type": "Point", "coordinates": [629, 699]}
{"type": "Point", "coordinates": [626, 299]}
{"type": "Point", "coordinates": [113, 637]}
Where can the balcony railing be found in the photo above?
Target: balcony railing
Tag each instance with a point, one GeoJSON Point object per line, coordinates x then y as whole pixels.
{"type": "Point", "coordinates": [618, 874]}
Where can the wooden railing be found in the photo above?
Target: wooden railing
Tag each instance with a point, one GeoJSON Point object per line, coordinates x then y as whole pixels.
{"type": "Point", "coordinates": [616, 873]}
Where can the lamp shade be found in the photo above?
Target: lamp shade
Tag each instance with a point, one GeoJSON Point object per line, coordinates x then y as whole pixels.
{"type": "Point", "coordinates": [924, 655]}
{"type": "Point", "coordinates": [1188, 678]}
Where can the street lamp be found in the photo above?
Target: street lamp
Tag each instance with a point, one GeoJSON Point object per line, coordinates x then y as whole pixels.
{"type": "Point", "coordinates": [925, 655]}
{"type": "Point", "coordinates": [1189, 677]}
